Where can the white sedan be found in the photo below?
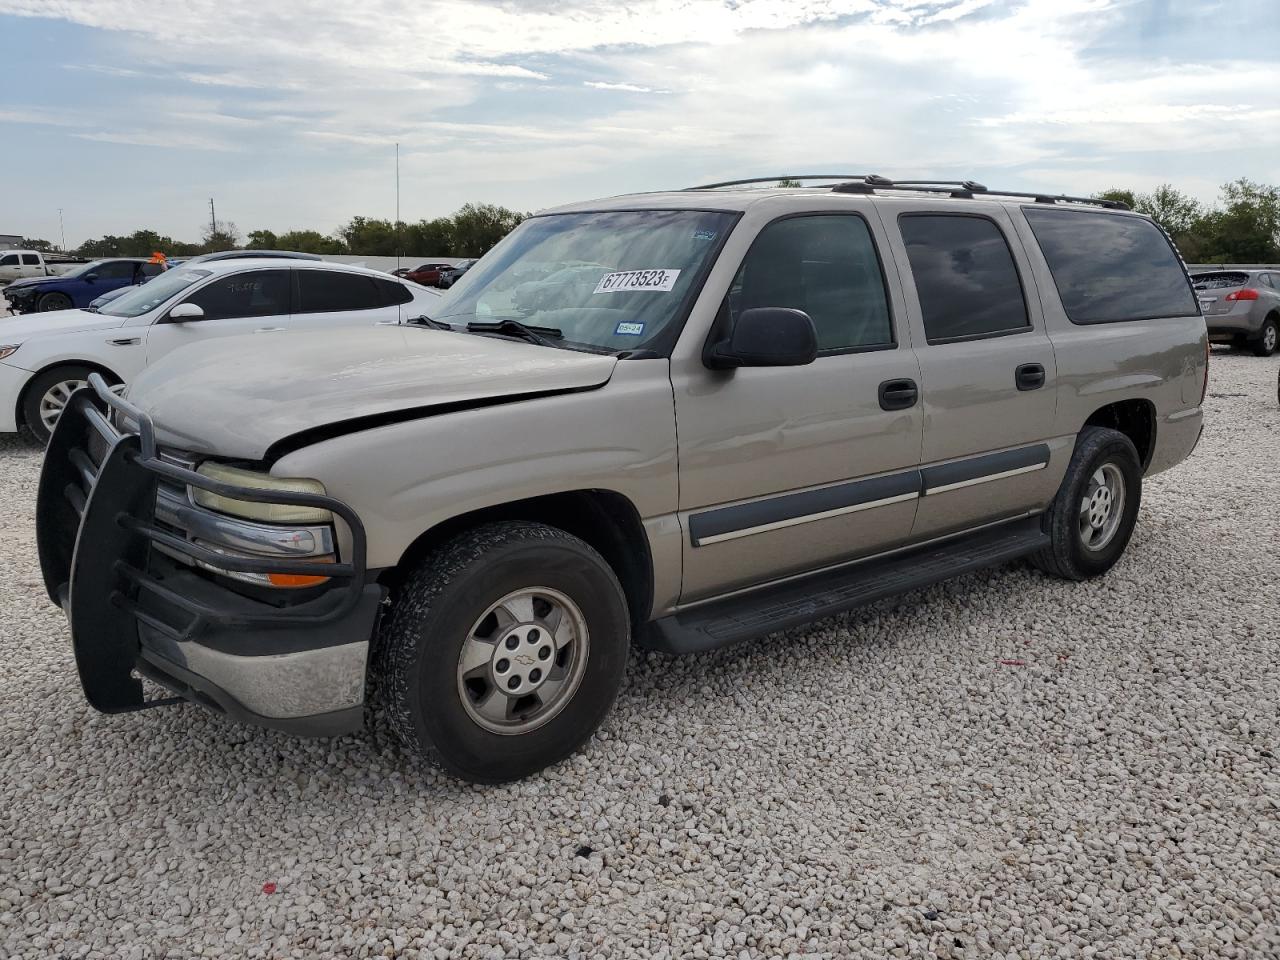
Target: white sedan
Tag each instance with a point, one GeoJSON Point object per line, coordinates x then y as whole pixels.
{"type": "Point", "coordinates": [44, 357]}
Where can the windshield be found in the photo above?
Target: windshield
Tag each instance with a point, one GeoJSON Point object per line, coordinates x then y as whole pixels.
{"type": "Point", "coordinates": [606, 281]}
{"type": "Point", "coordinates": [152, 293]}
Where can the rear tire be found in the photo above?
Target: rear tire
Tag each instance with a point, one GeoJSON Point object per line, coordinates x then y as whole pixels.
{"type": "Point", "coordinates": [1091, 519]}
{"type": "Point", "coordinates": [53, 301]}
{"type": "Point", "coordinates": [1268, 338]}
{"type": "Point", "coordinates": [511, 605]}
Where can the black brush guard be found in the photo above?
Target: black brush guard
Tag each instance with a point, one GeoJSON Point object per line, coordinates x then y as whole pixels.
{"type": "Point", "coordinates": [95, 527]}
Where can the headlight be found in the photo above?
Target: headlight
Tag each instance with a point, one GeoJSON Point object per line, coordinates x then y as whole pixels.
{"type": "Point", "coordinates": [267, 512]}
{"type": "Point", "coordinates": [8, 350]}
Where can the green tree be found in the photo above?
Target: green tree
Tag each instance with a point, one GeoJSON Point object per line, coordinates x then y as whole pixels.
{"type": "Point", "coordinates": [368, 237]}
{"type": "Point", "coordinates": [30, 243]}
{"type": "Point", "coordinates": [478, 226]}
{"type": "Point", "coordinates": [309, 241]}
{"type": "Point", "coordinates": [262, 240]}
{"type": "Point", "coordinates": [1247, 227]}
{"type": "Point", "coordinates": [429, 238]}
{"type": "Point", "coordinates": [788, 182]}
{"type": "Point", "coordinates": [1127, 197]}
{"type": "Point", "coordinates": [1174, 210]}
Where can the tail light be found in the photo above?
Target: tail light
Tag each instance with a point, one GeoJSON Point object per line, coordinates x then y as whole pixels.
{"type": "Point", "coordinates": [1246, 294]}
{"type": "Point", "coordinates": [1204, 390]}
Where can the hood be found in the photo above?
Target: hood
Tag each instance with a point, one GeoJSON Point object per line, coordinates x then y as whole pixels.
{"type": "Point", "coordinates": [239, 396]}
{"type": "Point", "coordinates": [30, 282]}
{"type": "Point", "coordinates": [22, 328]}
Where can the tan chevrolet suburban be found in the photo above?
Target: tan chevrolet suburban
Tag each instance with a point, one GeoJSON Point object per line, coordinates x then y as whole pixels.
{"type": "Point", "coordinates": [681, 419]}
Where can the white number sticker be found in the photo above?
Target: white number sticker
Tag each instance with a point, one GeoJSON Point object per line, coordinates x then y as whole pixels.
{"type": "Point", "coordinates": [631, 280]}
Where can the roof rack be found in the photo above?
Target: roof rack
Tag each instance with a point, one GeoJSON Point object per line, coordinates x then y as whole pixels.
{"type": "Point", "coordinates": [959, 189]}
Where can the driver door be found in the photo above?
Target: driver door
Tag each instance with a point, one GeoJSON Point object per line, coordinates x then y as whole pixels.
{"type": "Point", "coordinates": [249, 302]}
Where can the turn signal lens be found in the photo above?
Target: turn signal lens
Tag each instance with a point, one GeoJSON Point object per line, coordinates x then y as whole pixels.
{"type": "Point", "coordinates": [267, 512]}
{"type": "Point", "coordinates": [8, 350]}
{"type": "Point", "coordinates": [294, 580]}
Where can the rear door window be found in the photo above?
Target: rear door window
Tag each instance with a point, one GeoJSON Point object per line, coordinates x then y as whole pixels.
{"type": "Point", "coordinates": [391, 293]}
{"type": "Point", "coordinates": [1111, 267]}
{"type": "Point", "coordinates": [31, 259]}
{"type": "Point", "coordinates": [325, 291]}
{"type": "Point", "coordinates": [965, 277]}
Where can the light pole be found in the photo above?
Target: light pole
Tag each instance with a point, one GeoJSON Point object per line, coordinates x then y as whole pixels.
{"type": "Point", "coordinates": [63, 231]}
{"type": "Point", "coordinates": [398, 243]}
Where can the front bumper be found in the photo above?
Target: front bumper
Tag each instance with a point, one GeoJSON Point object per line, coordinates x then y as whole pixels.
{"type": "Point", "coordinates": [21, 300]}
{"type": "Point", "coordinates": [12, 381]}
{"type": "Point", "coordinates": [135, 610]}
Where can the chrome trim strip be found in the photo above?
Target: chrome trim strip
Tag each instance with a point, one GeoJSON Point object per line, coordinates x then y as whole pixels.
{"type": "Point", "coordinates": [808, 518]}
{"type": "Point", "coordinates": [987, 479]}
{"type": "Point", "coordinates": [244, 536]}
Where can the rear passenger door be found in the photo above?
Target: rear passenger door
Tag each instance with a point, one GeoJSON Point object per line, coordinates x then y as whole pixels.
{"type": "Point", "coordinates": [988, 374]}
{"type": "Point", "coordinates": [338, 298]}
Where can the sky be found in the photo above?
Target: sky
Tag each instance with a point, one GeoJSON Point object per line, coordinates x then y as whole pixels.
{"type": "Point", "coordinates": [129, 114]}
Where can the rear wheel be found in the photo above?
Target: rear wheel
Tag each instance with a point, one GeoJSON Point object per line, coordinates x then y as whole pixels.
{"type": "Point", "coordinates": [53, 301]}
{"type": "Point", "coordinates": [504, 651]}
{"type": "Point", "coordinates": [1268, 338]}
{"type": "Point", "coordinates": [1092, 518]}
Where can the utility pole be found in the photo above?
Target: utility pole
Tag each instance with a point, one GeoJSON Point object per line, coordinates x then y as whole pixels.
{"type": "Point", "coordinates": [398, 242]}
{"type": "Point", "coordinates": [62, 230]}
{"type": "Point", "coordinates": [213, 221]}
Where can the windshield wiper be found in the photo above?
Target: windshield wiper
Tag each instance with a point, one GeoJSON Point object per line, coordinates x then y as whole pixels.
{"type": "Point", "coordinates": [425, 321]}
{"type": "Point", "coordinates": [543, 336]}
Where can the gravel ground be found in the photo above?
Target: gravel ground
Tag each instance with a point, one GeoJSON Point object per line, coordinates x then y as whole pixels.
{"type": "Point", "coordinates": [1006, 765]}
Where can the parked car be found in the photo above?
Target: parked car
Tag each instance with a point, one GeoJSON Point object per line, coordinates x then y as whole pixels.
{"type": "Point", "coordinates": [451, 276]}
{"type": "Point", "coordinates": [253, 255]}
{"type": "Point", "coordinates": [771, 406]}
{"type": "Point", "coordinates": [1241, 307]}
{"type": "Point", "coordinates": [428, 274]}
{"type": "Point", "coordinates": [21, 264]}
{"type": "Point", "coordinates": [81, 286]}
{"type": "Point", "coordinates": [97, 303]}
{"type": "Point", "coordinates": [44, 359]}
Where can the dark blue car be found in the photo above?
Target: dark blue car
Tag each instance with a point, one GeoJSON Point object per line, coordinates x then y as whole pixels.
{"type": "Point", "coordinates": [81, 286]}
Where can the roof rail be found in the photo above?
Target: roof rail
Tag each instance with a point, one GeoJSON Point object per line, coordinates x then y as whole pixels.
{"type": "Point", "coordinates": [959, 189]}
{"type": "Point", "coordinates": [789, 176]}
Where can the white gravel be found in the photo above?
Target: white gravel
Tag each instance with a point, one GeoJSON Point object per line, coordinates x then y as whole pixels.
{"type": "Point", "coordinates": [876, 785]}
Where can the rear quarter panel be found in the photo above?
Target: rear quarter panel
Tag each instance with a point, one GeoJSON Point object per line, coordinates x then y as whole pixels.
{"type": "Point", "coordinates": [1162, 361]}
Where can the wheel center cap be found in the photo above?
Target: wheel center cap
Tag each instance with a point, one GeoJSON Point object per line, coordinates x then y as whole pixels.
{"type": "Point", "coordinates": [522, 659]}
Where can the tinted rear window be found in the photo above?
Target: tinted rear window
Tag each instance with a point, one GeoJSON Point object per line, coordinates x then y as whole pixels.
{"type": "Point", "coordinates": [1109, 267]}
{"type": "Point", "coordinates": [965, 277]}
{"type": "Point", "coordinates": [1219, 280]}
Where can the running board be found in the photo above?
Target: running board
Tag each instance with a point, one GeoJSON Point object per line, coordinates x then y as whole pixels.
{"type": "Point", "coordinates": [745, 616]}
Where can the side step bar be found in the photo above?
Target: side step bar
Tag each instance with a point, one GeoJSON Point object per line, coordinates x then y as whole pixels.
{"type": "Point", "coordinates": [745, 616]}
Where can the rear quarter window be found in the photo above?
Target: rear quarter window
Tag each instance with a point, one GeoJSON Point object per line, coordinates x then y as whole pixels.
{"type": "Point", "coordinates": [1110, 267]}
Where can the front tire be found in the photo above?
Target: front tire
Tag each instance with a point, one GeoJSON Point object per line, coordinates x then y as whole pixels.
{"type": "Point", "coordinates": [504, 651]}
{"type": "Point", "coordinates": [53, 301]}
{"type": "Point", "coordinates": [1091, 519]}
{"type": "Point", "coordinates": [47, 395]}
{"type": "Point", "coordinates": [1268, 338]}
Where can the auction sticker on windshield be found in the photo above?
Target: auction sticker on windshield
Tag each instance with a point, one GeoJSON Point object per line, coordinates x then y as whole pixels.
{"type": "Point", "coordinates": [631, 280]}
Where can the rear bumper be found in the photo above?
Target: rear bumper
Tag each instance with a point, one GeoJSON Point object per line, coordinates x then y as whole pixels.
{"type": "Point", "coordinates": [1243, 319]}
{"type": "Point", "coordinates": [134, 610]}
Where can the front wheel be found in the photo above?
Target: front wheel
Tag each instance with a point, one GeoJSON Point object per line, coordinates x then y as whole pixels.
{"type": "Point", "coordinates": [1091, 519]}
{"type": "Point", "coordinates": [53, 301]}
{"type": "Point", "coordinates": [504, 651]}
{"type": "Point", "coordinates": [1268, 338]}
{"type": "Point", "coordinates": [46, 397]}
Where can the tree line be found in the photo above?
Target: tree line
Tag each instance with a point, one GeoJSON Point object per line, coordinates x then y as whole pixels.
{"type": "Point", "coordinates": [1242, 227]}
{"type": "Point", "coordinates": [469, 232]}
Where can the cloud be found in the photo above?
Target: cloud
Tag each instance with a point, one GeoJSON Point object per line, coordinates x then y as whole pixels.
{"type": "Point", "coordinates": [624, 87]}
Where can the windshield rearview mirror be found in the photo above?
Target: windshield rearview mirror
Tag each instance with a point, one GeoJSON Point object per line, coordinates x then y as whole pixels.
{"type": "Point", "coordinates": [766, 337]}
{"type": "Point", "coordinates": [184, 312]}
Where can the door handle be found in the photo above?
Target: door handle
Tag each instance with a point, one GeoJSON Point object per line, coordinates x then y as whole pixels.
{"type": "Point", "coordinates": [1029, 376]}
{"type": "Point", "coordinates": [125, 341]}
{"type": "Point", "coordinates": [268, 330]}
{"type": "Point", "coordinates": [898, 394]}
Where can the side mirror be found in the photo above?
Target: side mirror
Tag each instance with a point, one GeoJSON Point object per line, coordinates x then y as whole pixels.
{"type": "Point", "coordinates": [90, 277]}
{"type": "Point", "coordinates": [184, 312]}
{"type": "Point", "coordinates": [766, 337]}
